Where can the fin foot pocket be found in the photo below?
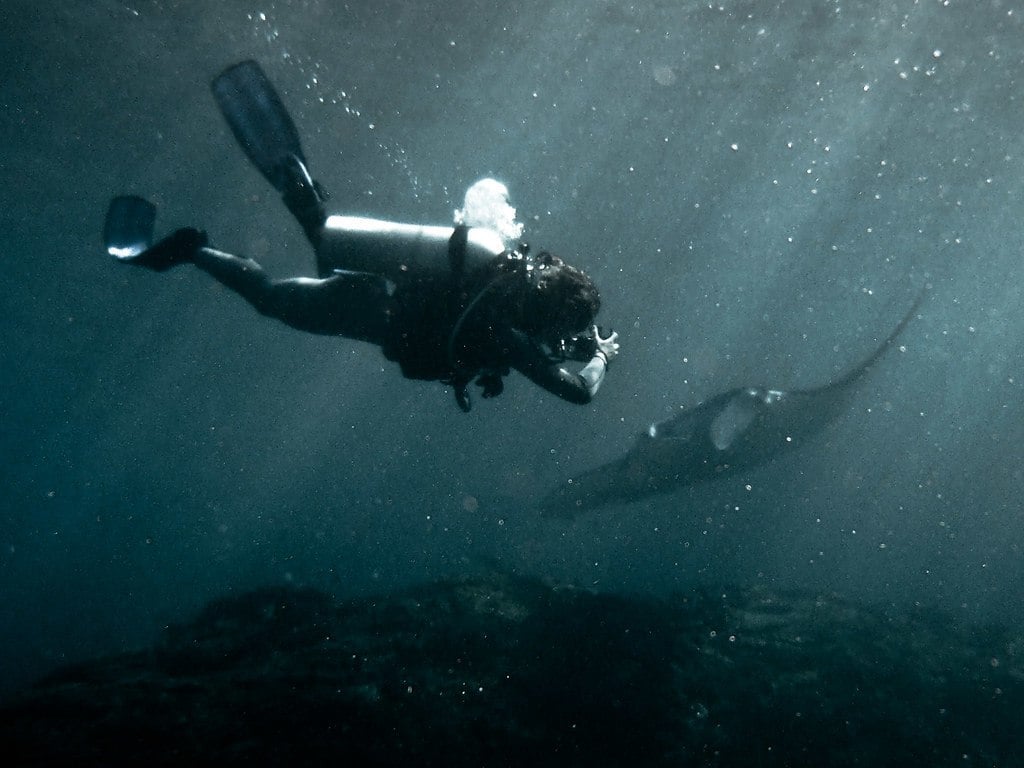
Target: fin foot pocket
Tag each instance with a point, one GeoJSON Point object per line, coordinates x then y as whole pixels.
{"type": "Point", "coordinates": [177, 248]}
{"type": "Point", "coordinates": [303, 196]}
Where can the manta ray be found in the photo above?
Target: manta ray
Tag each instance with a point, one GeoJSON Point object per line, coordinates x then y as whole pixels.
{"type": "Point", "coordinates": [731, 432]}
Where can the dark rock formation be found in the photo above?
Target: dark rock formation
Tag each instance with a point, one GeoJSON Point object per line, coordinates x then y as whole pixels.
{"type": "Point", "coordinates": [505, 671]}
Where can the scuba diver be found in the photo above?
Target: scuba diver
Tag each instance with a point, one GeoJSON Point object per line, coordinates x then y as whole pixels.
{"type": "Point", "coordinates": [447, 303]}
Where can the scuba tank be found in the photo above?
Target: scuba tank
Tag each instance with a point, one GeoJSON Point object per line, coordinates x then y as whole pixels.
{"type": "Point", "coordinates": [400, 252]}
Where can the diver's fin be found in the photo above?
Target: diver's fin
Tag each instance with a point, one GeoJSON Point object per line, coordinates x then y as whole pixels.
{"type": "Point", "coordinates": [259, 120]}
{"type": "Point", "coordinates": [128, 229]}
{"type": "Point", "coordinates": [128, 234]}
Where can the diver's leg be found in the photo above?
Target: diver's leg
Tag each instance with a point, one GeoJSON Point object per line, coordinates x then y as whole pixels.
{"type": "Point", "coordinates": [244, 276]}
{"type": "Point", "coordinates": [353, 306]}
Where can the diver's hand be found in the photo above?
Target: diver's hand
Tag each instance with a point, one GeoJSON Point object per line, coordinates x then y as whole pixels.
{"type": "Point", "coordinates": [608, 347]}
{"type": "Point", "coordinates": [491, 384]}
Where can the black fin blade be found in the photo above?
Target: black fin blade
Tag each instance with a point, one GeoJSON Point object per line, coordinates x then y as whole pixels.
{"type": "Point", "coordinates": [128, 229]}
{"type": "Point", "coordinates": [259, 120]}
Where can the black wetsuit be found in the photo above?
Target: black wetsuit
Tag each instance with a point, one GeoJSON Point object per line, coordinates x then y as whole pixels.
{"type": "Point", "coordinates": [423, 294]}
{"type": "Point", "coordinates": [442, 325]}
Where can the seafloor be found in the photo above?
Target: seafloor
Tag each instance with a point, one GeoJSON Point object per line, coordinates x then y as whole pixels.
{"type": "Point", "coordinates": [501, 670]}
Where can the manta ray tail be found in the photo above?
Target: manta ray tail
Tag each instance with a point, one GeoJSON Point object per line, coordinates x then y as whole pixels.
{"type": "Point", "coordinates": [867, 364]}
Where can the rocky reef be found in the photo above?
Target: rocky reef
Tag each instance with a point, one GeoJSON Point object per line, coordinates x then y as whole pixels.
{"type": "Point", "coordinates": [503, 670]}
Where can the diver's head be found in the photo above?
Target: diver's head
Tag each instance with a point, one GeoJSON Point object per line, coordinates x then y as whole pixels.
{"type": "Point", "coordinates": [486, 205]}
{"type": "Point", "coordinates": [560, 302]}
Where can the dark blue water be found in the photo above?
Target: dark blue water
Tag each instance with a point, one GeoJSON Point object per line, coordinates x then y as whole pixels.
{"type": "Point", "coordinates": [759, 188]}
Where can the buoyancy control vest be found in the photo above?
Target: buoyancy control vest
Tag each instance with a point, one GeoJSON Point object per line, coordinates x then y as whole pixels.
{"type": "Point", "coordinates": [446, 317]}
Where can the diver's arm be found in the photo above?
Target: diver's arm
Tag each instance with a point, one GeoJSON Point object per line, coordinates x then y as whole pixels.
{"type": "Point", "coordinates": [530, 360]}
{"type": "Point", "coordinates": [593, 372]}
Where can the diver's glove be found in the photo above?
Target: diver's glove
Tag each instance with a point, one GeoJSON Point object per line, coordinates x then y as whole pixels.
{"type": "Point", "coordinates": [491, 383]}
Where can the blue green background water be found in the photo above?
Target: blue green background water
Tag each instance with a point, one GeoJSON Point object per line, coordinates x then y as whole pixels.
{"type": "Point", "coordinates": [759, 188]}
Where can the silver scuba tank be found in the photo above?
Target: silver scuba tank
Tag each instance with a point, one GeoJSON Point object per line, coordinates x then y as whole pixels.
{"type": "Point", "coordinates": [398, 251]}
